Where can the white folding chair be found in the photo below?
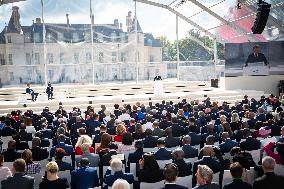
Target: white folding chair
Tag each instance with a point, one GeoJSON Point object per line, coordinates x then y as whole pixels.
{"type": "Point", "coordinates": [37, 179]}
{"type": "Point", "coordinates": [146, 185]}
{"type": "Point", "coordinates": [150, 149]}
{"type": "Point", "coordinates": [255, 155]}
{"type": "Point", "coordinates": [216, 177]}
{"type": "Point", "coordinates": [185, 181]}
{"type": "Point", "coordinates": [65, 174]}
{"type": "Point", "coordinates": [279, 169]}
{"type": "Point", "coordinates": [192, 160]}
{"type": "Point", "coordinates": [162, 163]}
{"type": "Point", "coordinates": [5, 141]}
{"type": "Point", "coordinates": [227, 177]}
{"type": "Point", "coordinates": [30, 144]}
{"type": "Point", "coordinates": [133, 170]}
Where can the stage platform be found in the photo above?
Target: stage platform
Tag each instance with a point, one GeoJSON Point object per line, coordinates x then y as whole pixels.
{"type": "Point", "coordinates": [71, 95]}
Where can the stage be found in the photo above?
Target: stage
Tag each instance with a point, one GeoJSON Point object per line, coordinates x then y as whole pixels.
{"type": "Point", "coordinates": [71, 95]}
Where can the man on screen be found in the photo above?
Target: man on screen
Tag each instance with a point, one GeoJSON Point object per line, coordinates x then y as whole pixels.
{"type": "Point", "coordinates": [256, 56]}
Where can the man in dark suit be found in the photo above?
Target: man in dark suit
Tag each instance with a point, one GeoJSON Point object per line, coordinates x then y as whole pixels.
{"type": "Point", "coordinates": [269, 179]}
{"type": "Point", "coordinates": [196, 139]}
{"type": "Point", "coordinates": [74, 127]}
{"type": "Point", "coordinates": [170, 140]}
{"type": "Point", "coordinates": [138, 154]}
{"type": "Point", "coordinates": [256, 56]}
{"type": "Point", "coordinates": [236, 171]}
{"type": "Point", "coordinates": [184, 168]}
{"type": "Point", "coordinates": [11, 154]}
{"type": "Point", "coordinates": [170, 173]}
{"type": "Point", "coordinates": [157, 77]}
{"type": "Point", "coordinates": [177, 129]}
{"type": "Point", "coordinates": [250, 143]}
{"type": "Point", "coordinates": [162, 153]}
{"type": "Point", "coordinates": [7, 129]}
{"type": "Point", "coordinates": [116, 167]}
{"type": "Point", "coordinates": [164, 123]}
{"type": "Point", "coordinates": [68, 148]}
{"type": "Point", "coordinates": [227, 143]}
{"type": "Point", "coordinates": [46, 132]}
{"type": "Point", "coordinates": [31, 92]}
{"type": "Point", "coordinates": [92, 123]}
{"type": "Point", "coordinates": [189, 151]}
{"type": "Point", "coordinates": [157, 131]}
{"type": "Point", "coordinates": [38, 152]}
{"type": "Point", "coordinates": [150, 141]}
{"type": "Point", "coordinates": [85, 176]}
{"type": "Point", "coordinates": [49, 91]}
{"type": "Point", "coordinates": [97, 138]}
{"type": "Point", "coordinates": [207, 159]}
{"type": "Point", "coordinates": [19, 179]}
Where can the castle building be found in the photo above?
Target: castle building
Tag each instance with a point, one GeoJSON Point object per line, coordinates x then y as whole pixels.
{"type": "Point", "coordinates": [62, 53]}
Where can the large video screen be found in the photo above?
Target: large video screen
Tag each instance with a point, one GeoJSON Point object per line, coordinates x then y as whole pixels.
{"type": "Point", "coordinates": [249, 59]}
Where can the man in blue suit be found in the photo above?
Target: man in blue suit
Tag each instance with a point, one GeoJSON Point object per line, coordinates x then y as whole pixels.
{"type": "Point", "coordinates": [189, 151]}
{"type": "Point", "coordinates": [227, 143]}
{"type": "Point", "coordinates": [85, 177]}
{"type": "Point", "coordinates": [150, 141]}
{"type": "Point", "coordinates": [68, 148]}
{"type": "Point", "coordinates": [138, 154]}
{"type": "Point", "coordinates": [31, 92]}
{"type": "Point", "coordinates": [207, 159]}
{"type": "Point", "coordinates": [162, 153]}
{"type": "Point", "coordinates": [116, 173]}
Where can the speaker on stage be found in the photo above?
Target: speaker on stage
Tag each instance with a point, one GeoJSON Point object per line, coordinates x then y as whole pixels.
{"type": "Point", "coordinates": [261, 18]}
{"type": "Point", "coordinates": [214, 83]}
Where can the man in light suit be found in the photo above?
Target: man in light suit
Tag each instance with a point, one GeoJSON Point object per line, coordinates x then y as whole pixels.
{"type": "Point", "coordinates": [19, 180]}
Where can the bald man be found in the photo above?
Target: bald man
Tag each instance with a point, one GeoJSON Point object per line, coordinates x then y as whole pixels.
{"type": "Point", "coordinates": [269, 179]}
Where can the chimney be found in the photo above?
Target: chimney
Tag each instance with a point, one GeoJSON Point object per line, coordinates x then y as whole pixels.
{"type": "Point", "coordinates": [67, 18]}
{"type": "Point", "coordinates": [120, 26]}
{"type": "Point", "coordinates": [128, 22]}
{"type": "Point", "coordinates": [116, 24]}
{"type": "Point", "coordinates": [38, 21]}
{"type": "Point", "coordinates": [93, 22]}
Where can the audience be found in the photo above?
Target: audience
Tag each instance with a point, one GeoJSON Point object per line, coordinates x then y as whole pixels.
{"type": "Point", "coordinates": [11, 154]}
{"type": "Point", "coordinates": [19, 179]}
{"type": "Point", "coordinates": [162, 153]}
{"type": "Point", "coordinates": [189, 151]}
{"type": "Point", "coordinates": [68, 148]}
{"type": "Point", "coordinates": [184, 168]}
{"type": "Point", "coordinates": [149, 141]}
{"type": "Point", "coordinates": [138, 154]}
{"type": "Point", "coordinates": [83, 139]}
{"type": "Point", "coordinates": [38, 152]}
{"type": "Point", "coordinates": [120, 184]}
{"type": "Point", "coordinates": [126, 143]}
{"type": "Point", "coordinates": [93, 158]}
{"type": "Point", "coordinates": [227, 143]}
{"type": "Point", "coordinates": [62, 166]}
{"type": "Point", "coordinates": [52, 180]}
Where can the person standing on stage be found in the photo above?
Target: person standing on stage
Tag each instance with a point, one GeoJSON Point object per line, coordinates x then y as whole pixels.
{"type": "Point", "coordinates": [256, 56]}
{"type": "Point", "coordinates": [49, 91]}
{"type": "Point", "coordinates": [158, 77]}
{"type": "Point", "coordinates": [31, 92]}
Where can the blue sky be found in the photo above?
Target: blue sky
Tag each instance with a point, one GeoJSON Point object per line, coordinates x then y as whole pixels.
{"type": "Point", "coordinates": [152, 20]}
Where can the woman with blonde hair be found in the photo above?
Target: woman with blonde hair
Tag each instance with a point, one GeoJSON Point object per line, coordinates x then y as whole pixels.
{"type": "Point", "coordinates": [52, 180]}
{"type": "Point", "coordinates": [81, 140]}
{"type": "Point", "coordinates": [120, 129]}
{"type": "Point", "coordinates": [235, 122]}
{"type": "Point", "coordinates": [31, 167]}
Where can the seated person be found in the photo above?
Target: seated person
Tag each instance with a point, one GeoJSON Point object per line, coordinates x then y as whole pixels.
{"type": "Point", "coordinates": [4, 171]}
{"type": "Point", "coordinates": [11, 154]}
{"type": "Point", "coordinates": [184, 168]}
{"type": "Point", "coordinates": [38, 152]}
{"type": "Point", "coordinates": [149, 140]}
{"type": "Point", "coordinates": [93, 158]}
{"type": "Point", "coordinates": [120, 184]}
{"type": "Point", "coordinates": [31, 92]}
{"type": "Point", "coordinates": [227, 143]}
{"type": "Point", "coordinates": [171, 173]}
{"type": "Point", "coordinates": [138, 154]}
{"type": "Point", "coordinates": [249, 143]}
{"type": "Point", "coordinates": [52, 180]}
{"type": "Point", "coordinates": [149, 170]}
{"type": "Point", "coordinates": [68, 148]}
{"type": "Point", "coordinates": [236, 171]}
{"type": "Point", "coordinates": [19, 178]}
{"type": "Point", "coordinates": [162, 153]}
{"type": "Point", "coordinates": [31, 167]}
{"type": "Point", "coordinates": [84, 176]}
{"type": "Point", "coordinates": [81, 140]}
{"type": "Point", "coordinates": [126, 143]}
{"type": "Point", "coordinates": [116, 166]}
{"type": "Point", "coordinates": [62, 165]}
{"type": "Point", "coordinates": [171, 141]}
{"type": "Point", "coordinates": [204, 176]}
{"type": "Point", "coordinates": [189, 151]}
{"type": "Point", "coordinates": [106, 157]}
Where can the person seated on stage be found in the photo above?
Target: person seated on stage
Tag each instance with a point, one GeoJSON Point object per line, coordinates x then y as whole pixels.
{"type": "Point", "coordinates": [31, 92]}
{"type": "Point", "coordinates": [157, 77]}
{"type": "Point", "coordinates": [49, 91]}
{"type": "Point", "coordinates": [256, 56]}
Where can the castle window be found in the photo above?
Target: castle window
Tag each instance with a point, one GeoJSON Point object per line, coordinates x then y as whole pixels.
{"type": "Point", "coordinates": [9, 39]}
